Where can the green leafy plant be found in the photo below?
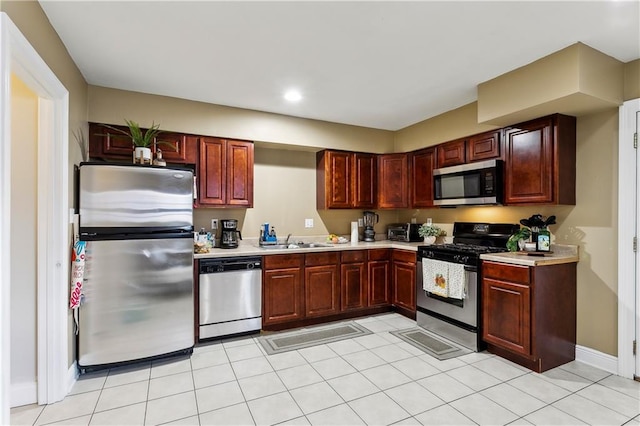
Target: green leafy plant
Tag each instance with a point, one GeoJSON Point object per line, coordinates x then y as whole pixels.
{"type": "Point", "coordinates": [522, 234]}
{"type": "Point", "coordinates": [430, 231]}
{"type": "Point", "coordinates": [140, 138]}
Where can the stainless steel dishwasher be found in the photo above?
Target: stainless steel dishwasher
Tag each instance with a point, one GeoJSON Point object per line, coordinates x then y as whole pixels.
{"type": "Point", "coordinates": [230, 296]}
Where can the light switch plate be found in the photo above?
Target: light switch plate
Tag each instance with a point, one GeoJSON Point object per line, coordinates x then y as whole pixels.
{"type": "Point", "coordinates": [308, 223]}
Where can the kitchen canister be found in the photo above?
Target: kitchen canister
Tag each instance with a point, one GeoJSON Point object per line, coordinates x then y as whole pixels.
{"type": "Point", "coordinates": [354, 232]}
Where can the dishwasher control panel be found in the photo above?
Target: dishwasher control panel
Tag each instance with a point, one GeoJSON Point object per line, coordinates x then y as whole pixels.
{"type": "Point", "coordinates": [213, 266]}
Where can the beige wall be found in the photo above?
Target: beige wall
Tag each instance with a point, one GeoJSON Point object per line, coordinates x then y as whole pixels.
{"type": "Point", "coordinates": [28, 16]}
{"type": "Point", "coordinates": [632, 80]}
{"type": "Point", "coordinates": [24, 116]}
{"type": "Point", "coordinates": [113, 106]}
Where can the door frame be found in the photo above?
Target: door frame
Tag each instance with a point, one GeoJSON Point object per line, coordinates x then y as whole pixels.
{"type": "Point", "coordinates": [18, 57]}
{"type": "Point", "coordinates": [628, 208]}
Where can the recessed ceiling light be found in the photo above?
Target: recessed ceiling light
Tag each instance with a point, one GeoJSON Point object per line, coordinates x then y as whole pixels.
{"type": "Point", "coordinates": [293, 96]}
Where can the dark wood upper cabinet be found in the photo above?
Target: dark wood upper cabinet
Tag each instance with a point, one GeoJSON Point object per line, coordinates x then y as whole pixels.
{"type": "Point", "coordinates": [540, 157]}
{"type": "Point", "coordinates": [364, 180]}
{"type": "Point", "coordinates": [484, 146]}
{"type": "Point", "coordinates": [107, 144]}
{"type": "Point", "coordinates": [177, 147]}
{"type": "Point", "coordinates": [239, 173]}
{"type": "Point", "coordinates": [422, 164]}
{"type": "Point", "coordinates": [393, 180]}
{"type": "Point", "coordinates": [225, 173]}
{"type": "Point", "coordinates": [345, 180]}
{"type": "Point", "coordinates": [452, 153]}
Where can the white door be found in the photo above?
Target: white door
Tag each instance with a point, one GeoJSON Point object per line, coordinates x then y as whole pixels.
{"type": "Point", "coordinates": [637, 280]}
{"type": "Point", "coordinates": [628, 244]}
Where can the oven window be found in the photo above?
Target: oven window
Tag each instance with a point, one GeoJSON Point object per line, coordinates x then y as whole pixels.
{"type": "Point", "coordinates": [460, 186]}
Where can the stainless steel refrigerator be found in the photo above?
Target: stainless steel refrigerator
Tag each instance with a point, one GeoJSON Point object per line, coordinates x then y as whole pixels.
{"type": "Point", "coordinates": [138, 280]}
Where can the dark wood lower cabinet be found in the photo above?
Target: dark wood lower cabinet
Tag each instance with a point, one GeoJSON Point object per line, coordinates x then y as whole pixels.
{"type": "Point", "coordinates": [282, 292]}
{"type": "Point", "coordinates": [305, 289]}
{"type": "Point", "coordinates": [379, 267]}
{"type": "Point", "coordinates": [529, 313]}
{"type": "Point", "coordinates": [321, 285]}
{"type": "Point", "coordinates": [353, 280]}
{"type": "Point", "coordinates": [403, 278]}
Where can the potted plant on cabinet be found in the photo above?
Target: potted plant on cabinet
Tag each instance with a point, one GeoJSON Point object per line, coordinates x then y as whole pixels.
{"type": "Point", "coordinates": [141, 140]}
{"type": "Point", "coordinates": [430, 233]}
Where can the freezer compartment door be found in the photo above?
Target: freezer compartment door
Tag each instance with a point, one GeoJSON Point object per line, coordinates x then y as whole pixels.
{"type": "Point", "coordinates": [121, 196]}
{"type": "Point", "coordinates": [138, 300]}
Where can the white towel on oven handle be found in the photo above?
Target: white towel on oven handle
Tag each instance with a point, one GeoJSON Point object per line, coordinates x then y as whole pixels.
{"type": "Point", "coordinates": [457, 282]}
{"type": "Point", "coordinates": [435, 277]}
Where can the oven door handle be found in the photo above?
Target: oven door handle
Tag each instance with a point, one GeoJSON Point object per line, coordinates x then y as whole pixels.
{"type": "Point", "coordinates": [470, 268]}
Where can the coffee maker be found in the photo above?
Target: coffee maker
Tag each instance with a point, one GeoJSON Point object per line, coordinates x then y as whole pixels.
{"type": "Point", "coordinates": [230, 234]}
{"type": "Point", "coordinates": [370, 219]}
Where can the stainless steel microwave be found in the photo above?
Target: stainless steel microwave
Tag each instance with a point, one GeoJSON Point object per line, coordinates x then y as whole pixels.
{"type": "Point", "coordinates": [468, 184]}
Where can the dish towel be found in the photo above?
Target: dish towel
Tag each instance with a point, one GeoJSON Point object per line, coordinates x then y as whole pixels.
{"type": "Point", "coordinates": [457, 281]}
{"type": "Point", "coordinates": [435, 277]}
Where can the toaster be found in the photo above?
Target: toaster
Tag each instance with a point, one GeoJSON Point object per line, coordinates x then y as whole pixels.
{"type": "Point", "coordinates": [407, 232]}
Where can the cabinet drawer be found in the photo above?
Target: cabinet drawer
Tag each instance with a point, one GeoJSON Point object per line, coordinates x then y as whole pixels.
{"type": "Point", "coordinates": [279, 261]}
{"type": "Point", "coordinates": [404, 256]}
{"type": "Point", "coordinates": [514, 273]}
{"type": "Point", "coordinates": [379, 254]}
{"type": "Point", "coordinates": [351, 256]}
{"type": "Point", "coordinates": [324, 258]}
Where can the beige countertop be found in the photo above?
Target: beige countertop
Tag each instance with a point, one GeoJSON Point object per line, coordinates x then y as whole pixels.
{"type": "Point", "coordinates": [561, 254]}
{"type": "Point", "coordinates": [250, 248]}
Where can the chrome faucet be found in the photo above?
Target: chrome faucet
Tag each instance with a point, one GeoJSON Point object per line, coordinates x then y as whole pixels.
{"type": "Point", "coordinates": [287, 240]}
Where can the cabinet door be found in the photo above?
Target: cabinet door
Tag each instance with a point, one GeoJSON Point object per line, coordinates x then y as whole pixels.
{"type": "Point", "coordinates": [364, 180]}
{"type": "Point", "coordinates": [422, 165]}
{"type": "Point", "coordinates": [506, 315]}
{"type": "Point", "coordinates": [282, 296]}
{"type": "Point", "coordinates": [452, 153]}
{"type": "Point", "coordinates": [393, 181]}
{"type": "Point", "coordinates": [108, 144]}
{"type": "Point", "coordinates": [353, 284]}
{"type": "Point", "coordinates": [239, 173]}
{"type": "Point", "coordinates": [484, 146]}
{"type": "Point", "coordinates": [175, 149]}
{"type": "Point", "coordinates": [529, 162]}
{"type": "Point", "coordinates": [211, 173]}
{"type": "Point", "coordinates": [322, 290]}
{"type": "Point", "coordinates": [404, 284]}
{"type": "Point", "coordinates": [379, 282]}
{"type": "Point", "coordinates": [333, 179]}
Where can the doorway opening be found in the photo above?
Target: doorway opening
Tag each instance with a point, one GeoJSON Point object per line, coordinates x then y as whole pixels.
{"type": "Point", "coordinates": [18, 58]}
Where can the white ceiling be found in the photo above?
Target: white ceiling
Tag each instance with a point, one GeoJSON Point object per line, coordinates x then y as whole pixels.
{"type": "Point", "coordinates": [383, 65]}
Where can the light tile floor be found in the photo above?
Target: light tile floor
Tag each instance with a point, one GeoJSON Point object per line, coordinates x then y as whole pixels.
{"type": "Point", "coordinates": [374, 380]}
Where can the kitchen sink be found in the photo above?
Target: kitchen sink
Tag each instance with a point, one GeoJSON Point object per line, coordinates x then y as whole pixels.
{"type": "Point", "coordinates": [294, 246]}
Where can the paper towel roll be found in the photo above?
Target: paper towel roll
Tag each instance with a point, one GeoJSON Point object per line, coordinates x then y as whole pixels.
{"type": "Point", "coordinates": [354, 232]}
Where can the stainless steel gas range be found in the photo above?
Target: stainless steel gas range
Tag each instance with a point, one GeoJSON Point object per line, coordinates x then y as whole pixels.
{"type": "Point", "coordinates": [448, 294]}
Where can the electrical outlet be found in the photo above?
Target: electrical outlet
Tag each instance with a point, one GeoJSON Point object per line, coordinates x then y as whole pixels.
{"type": "Point", "coordinates": [214, 224]}
{"type": "Point", "coordinates": [360, 222]}
{"type": "Point", "coordinates": [308, 223]}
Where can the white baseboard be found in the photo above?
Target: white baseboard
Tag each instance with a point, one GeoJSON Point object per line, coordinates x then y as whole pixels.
{"type": "Point", "coordinates": [597, 359]}
{"type": "Point", "coordinates": [23, 394]}
{"type": "Point", "coordinates": [72, 376]}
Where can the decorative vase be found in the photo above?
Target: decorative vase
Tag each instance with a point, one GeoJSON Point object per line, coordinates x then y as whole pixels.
{"type": "Point", "coordinates": [142, 155]}
{"type": "Point", "coordinates": [429, 240]}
